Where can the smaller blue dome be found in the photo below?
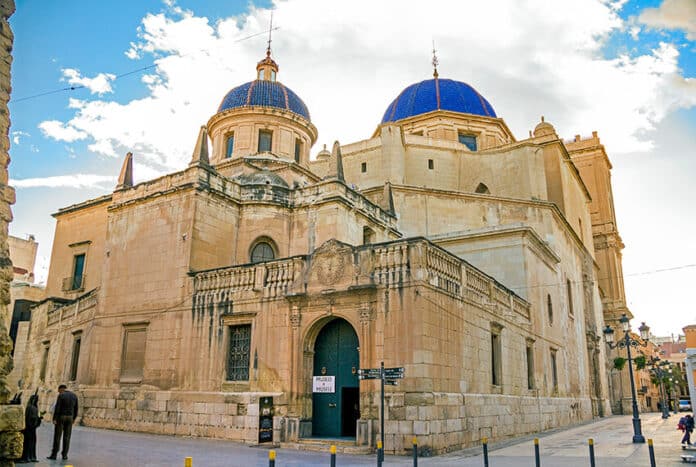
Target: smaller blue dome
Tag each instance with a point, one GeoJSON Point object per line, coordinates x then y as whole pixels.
{"type": "Point", "coordinates": [264, 93]}
{"type": "Point", "coordinates": [420, 98]}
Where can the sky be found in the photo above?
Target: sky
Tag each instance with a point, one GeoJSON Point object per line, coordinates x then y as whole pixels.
{"type": "Point", "coordinates": [95, 80]}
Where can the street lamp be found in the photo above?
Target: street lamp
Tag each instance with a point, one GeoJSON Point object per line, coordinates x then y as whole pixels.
{"type": "Point", "coordinates": [627, 342]}
{"type": "Point", "coordinates": [674, 392]}
{"type": "Point", "coordinates": [659, 370]}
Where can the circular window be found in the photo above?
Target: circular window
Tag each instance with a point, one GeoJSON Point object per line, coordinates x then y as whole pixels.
{"type": "Point", "coordinates": [261, 252]}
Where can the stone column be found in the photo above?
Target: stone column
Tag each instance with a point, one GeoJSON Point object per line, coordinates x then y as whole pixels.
{"type": "Point", "coordinates": [11, 416]}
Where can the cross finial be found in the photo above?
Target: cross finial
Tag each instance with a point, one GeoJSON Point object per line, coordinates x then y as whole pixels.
{"type": "Point", "coordinates": [435, 61]}
{"type": "Point", "coordinates": [270, 30]}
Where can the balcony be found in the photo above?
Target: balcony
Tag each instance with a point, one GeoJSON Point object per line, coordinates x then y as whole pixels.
{"type": "Point", "coordinates": [74, 283]}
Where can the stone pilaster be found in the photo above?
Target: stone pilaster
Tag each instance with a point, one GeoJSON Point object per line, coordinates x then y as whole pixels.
{"type": "Point", "coordinates": [11, 416]}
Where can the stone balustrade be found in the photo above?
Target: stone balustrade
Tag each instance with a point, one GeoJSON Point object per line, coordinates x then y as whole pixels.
{"type": "Point", "coordinates": [394, 264]}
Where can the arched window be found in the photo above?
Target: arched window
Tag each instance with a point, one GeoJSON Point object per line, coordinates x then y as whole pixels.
{"type": "Point", "coordinates": [261, 252]}
{"type": "Point", "coordinates": [482, 189]}
{"type": "Point", "coordinates": [229, 145]}
{"type": "Point", "coordinates": [550, 308]}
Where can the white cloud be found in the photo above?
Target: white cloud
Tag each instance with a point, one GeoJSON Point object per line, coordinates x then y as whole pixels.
{"type": "Point", "coordinates": [348, 70]}
{"type": "Point", "coordinates": [66, 181]}
{"type": "Point", "coordinates": [61, 131]}
{"type": "Point", "coordinates": [18, 135]}
{"type": "Point", "coordinates": [672, 14]}
{"type": "Point", "coordinates": [100, 84]}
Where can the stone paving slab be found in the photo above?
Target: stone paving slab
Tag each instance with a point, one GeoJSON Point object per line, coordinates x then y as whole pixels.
{"type": "Point", "coordinates": [93, 447]}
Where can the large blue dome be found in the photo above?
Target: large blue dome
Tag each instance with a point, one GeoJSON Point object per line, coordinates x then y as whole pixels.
{"type": "Point", "coordinates": [437, 94]}
{"type": "Point", "coordinates": [265, 94]}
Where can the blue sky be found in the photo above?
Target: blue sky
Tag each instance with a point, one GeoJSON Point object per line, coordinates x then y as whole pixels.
{"type": "Point", "coordinates": [626, 69]}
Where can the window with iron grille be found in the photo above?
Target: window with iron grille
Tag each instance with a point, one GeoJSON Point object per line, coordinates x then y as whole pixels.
{"type": "Point", "coordinates": [238, 355]}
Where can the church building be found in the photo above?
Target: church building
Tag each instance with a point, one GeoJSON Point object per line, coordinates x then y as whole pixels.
{"type": "Point", "coordinates": [239, 297]}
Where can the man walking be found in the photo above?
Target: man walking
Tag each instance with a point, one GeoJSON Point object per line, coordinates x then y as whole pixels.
{"type": "Point", "coordinates": [64, 416]}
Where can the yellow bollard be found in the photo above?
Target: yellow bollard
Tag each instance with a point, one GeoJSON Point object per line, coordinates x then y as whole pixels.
{"type": "Point", "coordinates": [333, 449]}
{"type": "Point", "coordinates": [188, 462]}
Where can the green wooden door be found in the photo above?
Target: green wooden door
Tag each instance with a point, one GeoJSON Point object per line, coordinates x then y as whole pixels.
{"type": "Point", "coordinates": [336, 354]}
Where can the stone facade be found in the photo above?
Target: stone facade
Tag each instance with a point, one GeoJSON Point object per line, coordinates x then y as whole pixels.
{"type": "Point", "coordinates": [12, 416]}
{"type": "Point", "coordinates": [182, 304]}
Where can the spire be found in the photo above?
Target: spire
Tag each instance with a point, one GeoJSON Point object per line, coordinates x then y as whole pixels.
{"type": "Point", "coordinates": [125, 178]}
{"type": "Point", "coordinates": [436, 62]}
{"type": "Point", "coordinates": [336, 169]}
{"type": "Point", "coordinates": [267, 69]}
{"type": "Point", "coordinates": [200, 151]}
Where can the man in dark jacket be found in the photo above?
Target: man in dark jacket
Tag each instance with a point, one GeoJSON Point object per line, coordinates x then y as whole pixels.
{"type": "Point", "coordinates": [64, 416]}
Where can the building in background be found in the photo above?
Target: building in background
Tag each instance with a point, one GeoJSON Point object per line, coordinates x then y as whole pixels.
{"type": "Point", "coordinates": [690, 362]}
{"type": "Point", "coordinates": [259, 281]}
{"type": "Point", "coordinates": [24, 294]}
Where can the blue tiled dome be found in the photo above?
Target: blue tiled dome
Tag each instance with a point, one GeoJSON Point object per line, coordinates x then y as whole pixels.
{"type": "Point", "coordinates": [422, 97]}
{"type": "Point", "coordinates": [265, 94]}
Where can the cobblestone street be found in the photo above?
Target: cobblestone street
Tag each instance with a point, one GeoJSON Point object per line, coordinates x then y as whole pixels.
{"type": "Point", "coordinates": [95, 448]}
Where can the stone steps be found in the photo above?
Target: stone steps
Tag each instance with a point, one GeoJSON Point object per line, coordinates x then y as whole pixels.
{"type": "Point", "coordinates": [343, 446]}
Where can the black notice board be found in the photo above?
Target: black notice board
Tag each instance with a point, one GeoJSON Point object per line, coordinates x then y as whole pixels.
{"type": "Point", "coordinates": [266, 420]}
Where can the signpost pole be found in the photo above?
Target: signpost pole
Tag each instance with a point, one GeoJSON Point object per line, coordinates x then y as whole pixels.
{"type": "Point", "coordinates": [381, 374]}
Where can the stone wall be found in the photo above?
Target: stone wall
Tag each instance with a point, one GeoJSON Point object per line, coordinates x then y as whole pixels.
{"type": "Point", "coordinates": [11, 416]}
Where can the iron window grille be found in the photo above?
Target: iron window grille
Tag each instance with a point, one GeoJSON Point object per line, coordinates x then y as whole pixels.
{"type": "Point", "coordinates": [238, 355]}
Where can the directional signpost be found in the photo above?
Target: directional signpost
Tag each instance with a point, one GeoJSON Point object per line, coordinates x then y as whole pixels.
{"type": "Point", "coordinates": [387, 376]}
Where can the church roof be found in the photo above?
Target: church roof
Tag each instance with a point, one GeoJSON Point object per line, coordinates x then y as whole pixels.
{"type": "Point", "coordinates": [437, 94]}
{"type": "Point", "coordinates": [264, 93]}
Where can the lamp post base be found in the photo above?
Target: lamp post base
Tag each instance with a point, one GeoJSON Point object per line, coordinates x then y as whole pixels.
{"type": "Point", "coordinates": [638, 438]}
{"type": "Point", "coordinates": [637, 432]}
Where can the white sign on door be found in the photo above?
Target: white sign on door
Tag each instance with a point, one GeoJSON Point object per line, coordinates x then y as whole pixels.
{"type": "Point", "coordinates": [324, 384]}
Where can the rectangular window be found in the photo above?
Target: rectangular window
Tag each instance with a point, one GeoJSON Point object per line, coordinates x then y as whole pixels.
{"type": "Point", "coordinates": [431, 164]}
{"type": "Point", "coordinates": [554, 370]}
{"type": "Point", "coordinates": [569, 287]}
{"type": "Point", "coordinates": [44, 361]}
{"type": "Point", "coordinates": [468, 140]}
{"type": "Point", "coordinates": [133, 356]}
{"type": "Point", "coordinates": [363, 167]}
{"type": "Point", "coordinates": [495, 358]}
{"type": "Point", "coordinates": [78, 271]}
{"type": "Point", "coordinates": [298, 149]}
{"type": "Point", "coordinates": [238, 355]}
{"type": "Point", "coordinates": [229, 148]}
{"type": "Point", "coordinates": [530, 366]}
{"type": "Point", "coordinates": [265, 140]}
{"type": "Point", "coordinates": [77, 342]}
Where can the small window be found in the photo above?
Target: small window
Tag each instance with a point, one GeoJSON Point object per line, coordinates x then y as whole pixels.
{"type": "Point", "coordinates": [569, 287]}
{"type": "Point", "coordinates": [262, 252]}
{"type": "Point", "coordinates": [78, 271]}
{"type": "Point", "coordinates": [482, 189]}
{"type": "Point", "coordinates": [368, 235]}
{"type": "Point", "coordinates": [468, 140]}
{"type": "Point", "coordinates": [265, 140]}
{"type": "Point", "coordinates": [44, 361]}
{"type": "Point", "coordinates": [229, 147]}
{"type": "Point", "coordinates": [77, 342]}
{"type": "Point", "coordinates": [133, 355]}
{"type": "Point", "coordinates": [431, 164]}
{"type": "Point", "coordinates": [495, 358]}
{"type": "Point", "coordinates": [363, 167]}
{"type": "Point", "coordinates": [273, 75]}
{"type": "Point", "coordinates": [262, 73]}
{"type": "Point", "coordinates": [530, 366]}
{"type": "Point", "coordinates": [549, 308]}
{"type": "Point", "coordinates": [298, 149]}
{"type": "Point", "coordinates": [238, 353]}
{"type": "Point", "coordinates": [554, 370]}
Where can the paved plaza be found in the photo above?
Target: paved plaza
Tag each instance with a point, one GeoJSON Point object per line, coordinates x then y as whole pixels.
{"type": "Point", "coordinates": [567, 448]}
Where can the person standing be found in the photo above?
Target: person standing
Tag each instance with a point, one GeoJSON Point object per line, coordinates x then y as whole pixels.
{"type": "Point", "coordinates": [31, 423]}
{"type": "Point", "coordinates": [688, 429]}
{"type": "Point", "coordinates": [64, 416]}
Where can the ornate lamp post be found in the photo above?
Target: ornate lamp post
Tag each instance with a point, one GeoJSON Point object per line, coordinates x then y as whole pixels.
{"type": "Point", "coordinates": [674, 392]}
{"type": "Point", "coordinates": [628, 342]}
{"type": "Point", "coordinates": [659, 370]}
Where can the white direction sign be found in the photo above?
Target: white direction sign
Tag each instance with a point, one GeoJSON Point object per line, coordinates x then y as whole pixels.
{"type": "Point", "coordinates": [324, 384]}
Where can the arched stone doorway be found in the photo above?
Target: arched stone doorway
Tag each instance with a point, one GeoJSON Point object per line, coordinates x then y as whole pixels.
{"type": "Point", "coordinates": [334, 413]}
